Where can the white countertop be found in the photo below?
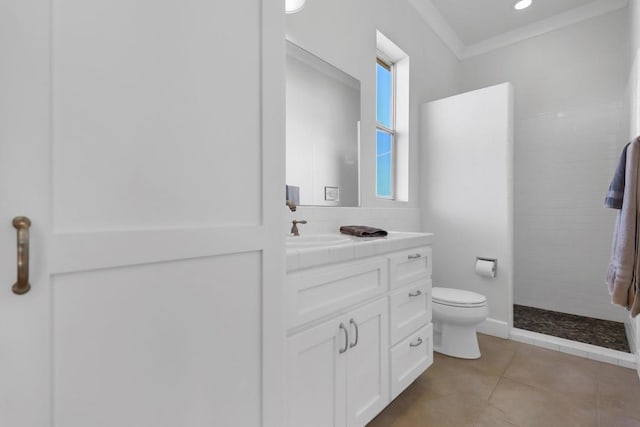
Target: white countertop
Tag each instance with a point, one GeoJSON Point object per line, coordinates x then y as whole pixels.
{"type": "Point", "coordinates": [355, 247]}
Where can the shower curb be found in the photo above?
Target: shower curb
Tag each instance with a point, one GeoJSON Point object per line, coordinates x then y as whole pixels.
{"type": "Point", "coordinates": [587, 351]}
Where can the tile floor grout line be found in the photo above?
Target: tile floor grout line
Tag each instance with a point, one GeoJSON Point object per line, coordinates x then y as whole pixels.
{"type": "Point", "coordinates": [508, 365]}
{"type": "Point", "coordinates": [494, 389]}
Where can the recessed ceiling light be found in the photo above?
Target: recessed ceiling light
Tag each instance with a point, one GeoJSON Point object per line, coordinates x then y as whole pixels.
{"type": "Point", "coordinates": [293, 6]}
{"type": "Point", "coordinates": [522, 4]}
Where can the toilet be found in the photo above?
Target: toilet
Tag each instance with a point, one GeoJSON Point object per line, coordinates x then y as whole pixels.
{"type": "Point", "coordinates": [456, 314]}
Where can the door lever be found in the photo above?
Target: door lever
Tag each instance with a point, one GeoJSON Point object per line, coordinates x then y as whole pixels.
{"type": "Point", "coordinates": [22, 225]}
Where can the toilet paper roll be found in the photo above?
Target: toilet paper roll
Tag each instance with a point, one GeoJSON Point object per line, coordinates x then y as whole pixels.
{"type": "Point", "coordinates": [486, 268]}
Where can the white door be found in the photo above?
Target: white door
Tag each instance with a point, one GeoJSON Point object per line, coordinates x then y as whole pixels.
{"type": "Point", "coordinates": [144, 140]}
{"type": "Point", "coordinates": [368, 363]}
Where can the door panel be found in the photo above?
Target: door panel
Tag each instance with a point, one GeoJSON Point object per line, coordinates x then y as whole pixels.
{"type": "Point", "coordinates": [156, 113]}
{"type": "Point", "coordinates": [181, 337]}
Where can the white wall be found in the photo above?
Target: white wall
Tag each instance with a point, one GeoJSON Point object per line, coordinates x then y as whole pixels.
{"type": "Point", "coordinates": [569, 128]}
{"type": "Point", "coordinates": [467, 193]}
{"type": "Point", "coordinates": [344, 34]}
{"type": "Point", "coordinates": [634, 26]}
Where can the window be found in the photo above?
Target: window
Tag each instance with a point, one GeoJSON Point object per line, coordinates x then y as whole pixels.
{"type": "Point", "coordinates": [392, 119]}
{"type": "Point", "coordinates": [385, 132]}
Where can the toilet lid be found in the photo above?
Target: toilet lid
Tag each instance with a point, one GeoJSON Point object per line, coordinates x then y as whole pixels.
{"type": "Point", "coordinates": [457, 297]}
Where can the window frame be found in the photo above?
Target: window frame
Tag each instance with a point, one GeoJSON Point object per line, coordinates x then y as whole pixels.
{"type": "Point", "coordinates": [384, 62]}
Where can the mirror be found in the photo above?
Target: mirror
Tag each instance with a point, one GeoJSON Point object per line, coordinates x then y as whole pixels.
{"type": "Point", "coordinates": [323, 118]}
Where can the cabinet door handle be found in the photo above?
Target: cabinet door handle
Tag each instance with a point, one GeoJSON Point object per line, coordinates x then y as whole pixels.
{"type": "Point", "coordinates": [355, 325]}
{"type": "Point", "coordinates": [415, 256]}
{"type": "Point", "coordinates": [416, 293]}
{"type": "Point", "coordinates": [417, 343]}
{"type": "Point", "coordinates": [346, 339]}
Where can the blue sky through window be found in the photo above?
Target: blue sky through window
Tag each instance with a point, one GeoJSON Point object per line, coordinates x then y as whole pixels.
{"type": "Point", "coordinates": [383, 164]}
{"type": "Point", "coordinates": [384, 140]}
{"type": "Point", "coordinates": [383, 95]}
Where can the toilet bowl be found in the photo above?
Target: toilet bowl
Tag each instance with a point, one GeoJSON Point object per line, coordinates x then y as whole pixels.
{"type": "Point", "coordinates": [456, 314]}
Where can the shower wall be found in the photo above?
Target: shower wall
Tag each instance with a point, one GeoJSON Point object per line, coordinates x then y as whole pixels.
{"type": "Point", "coordinates": [467, 195]}
{"type": "Point", "coordinates": [570, 124]}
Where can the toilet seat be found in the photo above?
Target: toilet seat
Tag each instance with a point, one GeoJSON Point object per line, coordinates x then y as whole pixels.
{"type": "Point", "coordinates": [457, 298]}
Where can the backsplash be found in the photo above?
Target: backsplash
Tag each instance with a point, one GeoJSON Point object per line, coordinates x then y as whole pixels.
{"type": "Point", "coordinates": [329, 219]}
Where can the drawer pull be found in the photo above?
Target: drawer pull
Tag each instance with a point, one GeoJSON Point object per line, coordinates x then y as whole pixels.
{"type": "Point", "coordinates": [355, 325]}
{"type": "Point", "coordinates": [415, 256]}
{"type": "Point", "coordinates": [417, 343]}
{"type": "Point", "coordinates": [346, 339]}
{"type": "Point", "coordinates": [416, 293]}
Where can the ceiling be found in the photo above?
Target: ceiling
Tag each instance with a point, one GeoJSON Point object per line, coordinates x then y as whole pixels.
{"type": "Point", "coordinates": [471, 27]}
{"type": "Point", "coordinates": [477, 20]}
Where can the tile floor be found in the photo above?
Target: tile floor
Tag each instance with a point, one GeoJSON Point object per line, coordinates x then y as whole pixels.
{"type": "Point", "coordinates": [516, 384]}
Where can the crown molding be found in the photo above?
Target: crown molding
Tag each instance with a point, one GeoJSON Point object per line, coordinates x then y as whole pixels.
{"type": "Point", "coordinates": [432, 16]}
{"type": "Point", "coordinates": [573, 16]}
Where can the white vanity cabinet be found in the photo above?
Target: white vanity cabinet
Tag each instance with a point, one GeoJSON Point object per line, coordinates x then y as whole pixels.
{"type": "Point", "coordinates": [358, 331]}
{"type": "Point", "coordinates": [338, 370]}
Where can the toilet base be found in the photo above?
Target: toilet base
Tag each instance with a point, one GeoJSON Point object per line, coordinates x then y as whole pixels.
{"type": "Point", "coordinates": [456, 341]}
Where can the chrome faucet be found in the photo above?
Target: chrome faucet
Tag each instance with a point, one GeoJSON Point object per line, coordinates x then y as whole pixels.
{"type": "Point", "coordinates": [294, 228]}
{"type": "Point", "coordinates": [291, 205]}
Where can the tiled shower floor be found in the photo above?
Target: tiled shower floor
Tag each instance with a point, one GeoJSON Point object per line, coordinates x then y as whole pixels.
{"type": "Point", "coordinates": [603, 333]}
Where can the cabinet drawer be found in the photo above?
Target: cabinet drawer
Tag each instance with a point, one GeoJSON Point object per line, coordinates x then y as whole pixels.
{"type": "Point", "coordinates": [409, 266]}
{"type": "Point", "coordinates": [410, 309]}
{"type": "Point", "coordinates": [312, 294]}
{"type": "Point", "coordinates": [410, 358]}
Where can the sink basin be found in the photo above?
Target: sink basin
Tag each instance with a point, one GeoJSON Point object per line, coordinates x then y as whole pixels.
{"type": "Point", "coordinates": [315, 240]}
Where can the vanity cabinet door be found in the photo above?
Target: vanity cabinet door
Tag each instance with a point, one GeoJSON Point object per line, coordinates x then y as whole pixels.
{"type": "Point", "coordinates": [316, 376]}
{"type": "Point", "coordinates": [367, 363]}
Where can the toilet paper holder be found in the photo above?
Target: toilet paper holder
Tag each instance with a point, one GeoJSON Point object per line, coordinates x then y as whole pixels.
{"type": "Point", "coordinates": [493, 260]}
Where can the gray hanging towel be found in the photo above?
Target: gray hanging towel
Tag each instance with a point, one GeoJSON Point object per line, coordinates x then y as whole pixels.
{"type": "Point", "coordinates": [616, 189]}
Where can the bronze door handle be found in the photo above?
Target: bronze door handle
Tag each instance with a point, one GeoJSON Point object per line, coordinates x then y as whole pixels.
{"type": "Point", "coordinates": [22, 224]}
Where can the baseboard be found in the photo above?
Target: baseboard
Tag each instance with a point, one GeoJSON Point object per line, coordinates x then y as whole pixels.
{"type": "Point", "coordinates": [631, 336]}
{"type": "Point", "coordinates": [631, 326]}
{"type": "Point", "coordinates": [496, 328]}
